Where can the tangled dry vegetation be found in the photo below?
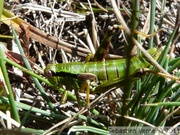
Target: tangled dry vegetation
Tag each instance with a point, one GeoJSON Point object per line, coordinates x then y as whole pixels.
{"type": "Point", "coordinates": [62, 31]}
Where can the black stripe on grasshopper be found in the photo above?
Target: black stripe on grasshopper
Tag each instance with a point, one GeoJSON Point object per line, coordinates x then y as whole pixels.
{"type": "Point", "coordinates": [51, 73]}
{"type": "Point", "coordinates": [81, 76]}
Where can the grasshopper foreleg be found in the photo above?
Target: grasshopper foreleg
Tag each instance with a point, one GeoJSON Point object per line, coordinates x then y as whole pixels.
{"type": "Point", "coordinates": [86, 78]}
{"type": "Point", "coordinates": [86, 87]}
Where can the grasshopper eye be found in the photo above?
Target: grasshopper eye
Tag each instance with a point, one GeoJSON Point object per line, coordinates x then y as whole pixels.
{"type": "Point", "coordinates": [48, 73]}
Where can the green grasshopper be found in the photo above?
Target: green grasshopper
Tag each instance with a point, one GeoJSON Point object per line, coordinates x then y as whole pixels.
{"type": "Point", "coordinates": [105, 73]}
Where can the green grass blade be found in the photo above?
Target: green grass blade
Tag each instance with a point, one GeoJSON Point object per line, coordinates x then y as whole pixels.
{"type": "Point", "coordinates": [163, 104]}
{"type": "Point", "coordinates": [152, 22]}
{"type": "Point", "coordinates": [29, 68]}
{"type": "Point", "coordinates": [89, 129]}
{"type": "Point", "coordinates": [14, 109]}
{"type": "Point", "coordinates": [32, 109]}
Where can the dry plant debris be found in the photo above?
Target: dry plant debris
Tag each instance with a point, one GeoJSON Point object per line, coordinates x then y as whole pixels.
{"type": "Point", "coordinates": [64, 31]}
